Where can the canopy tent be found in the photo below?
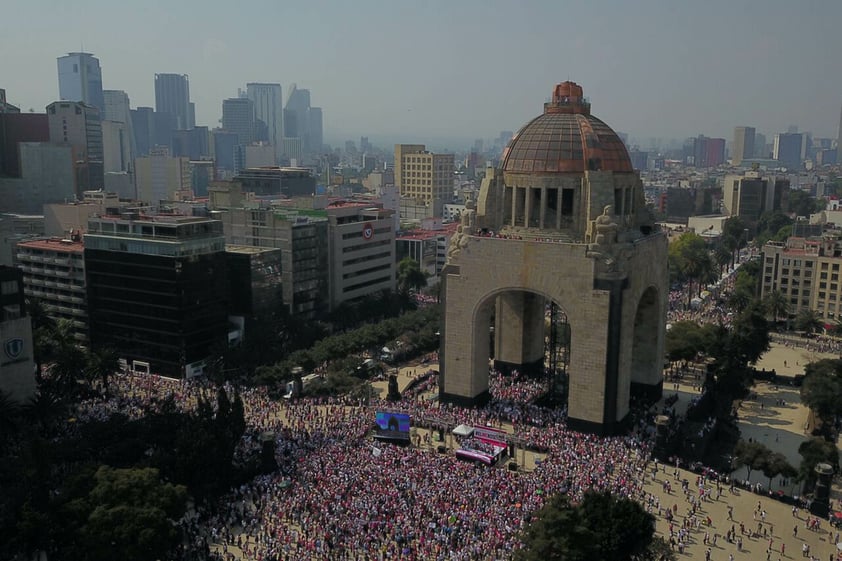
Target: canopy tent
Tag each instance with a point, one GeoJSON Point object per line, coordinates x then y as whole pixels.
{"type": "Point", "coordinates": [463, 430]}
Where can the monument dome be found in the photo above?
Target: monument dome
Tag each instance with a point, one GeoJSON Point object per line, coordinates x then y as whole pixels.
{"type": "Point", "coordinates": [566, 138]}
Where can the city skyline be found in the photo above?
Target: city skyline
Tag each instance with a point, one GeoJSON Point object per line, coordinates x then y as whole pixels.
{"type": "Point", "coordinates": [461, 71]}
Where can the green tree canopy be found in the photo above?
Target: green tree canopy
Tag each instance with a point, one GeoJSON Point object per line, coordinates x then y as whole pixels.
{"type": "Point", "coordinates": [410, 276]}
{"type": "Point", "coordinates": [821, 390]}
{"type": "Point", "coordinates": [813, 452]}
{"type": "Point", "coordinates": [808, 320]}
{"type": "Point", "coordinates": [129, 514]}
{"type": "Point", "coordinates": [602, 526]}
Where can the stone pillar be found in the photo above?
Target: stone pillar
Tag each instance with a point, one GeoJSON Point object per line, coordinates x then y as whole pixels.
{"type": "Point", "coordinates": [514, 206]}
{"type": "Point", "coordinates": [527, 206]}
{"type": "Point", "coordinates": [519, 332]}
{"type": "Point", "coordinates": [558, 206]}
{"type": "Point", "coordinates": [543, 208]}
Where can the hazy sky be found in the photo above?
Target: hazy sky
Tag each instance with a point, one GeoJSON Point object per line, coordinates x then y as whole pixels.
{"type": "Point", "coordinates": [455, 68]}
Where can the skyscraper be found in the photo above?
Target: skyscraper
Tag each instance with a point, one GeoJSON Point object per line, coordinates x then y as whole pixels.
{"type": "Point", "coordinates": [839, 140]}
{"type": "Point", "coordinates": [238, 117]}
{"type": "Point", "coordinates": [172, 95]}
{"type": "Point", "coordinates": [743, 144]}
{"type": "Point", "coordinates": [78, 125]}
{"type": "Point", "coordinates": [80, 79]}
{"type": "Point", "coordinates": [117, 109]}
{"type": "Point", "coordinates": [296, 115]}
{"type": "Point", "coordinates": [787, 149]}
{"type": "Point", "coordinates": [269, 108]}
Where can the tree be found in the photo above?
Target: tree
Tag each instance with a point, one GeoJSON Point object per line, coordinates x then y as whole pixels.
{"type": "Point", "coordinates": [752, 455]}
{"type": "Point", "coordinates": [776, 305]}
{"type": "Point", "coordinates": [808, 320]}
{"type": "Point", "coordinates": [684, 340]}
{"type": "Point", "coordinates": [602, 526]}
{"type": "Point", "coordinates": [815, 451]}
{"type": "Point", "coordinates": [101, 365]}
{"type": "Point", "coordinates": [690, 255]}
{"type": "Point", "coordinates": [410, 276]}
{"type": "Point", "coordinates": [130, 515]}
{"type": "Point", "coordinates": [749, 337]}
{"type": "Point", "coordinates": [801, 203]}
{"type": "Point", "coordinates": [775, 464]}
{"type": "Point", "coordinates": [821, 390]}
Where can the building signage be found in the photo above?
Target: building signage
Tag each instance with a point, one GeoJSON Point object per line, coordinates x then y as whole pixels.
{"type": "Point", "coordinates": [368, 231]}
{"type": "Point", "coordinates": [13, 347]}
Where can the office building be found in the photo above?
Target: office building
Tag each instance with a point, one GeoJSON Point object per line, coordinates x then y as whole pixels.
{"type": "Point", "coordinates": [193, 143]}
{"type": "Point", "coordinates": [300, 234]}
{"type": "Point", "coordinates": [48, 175]}
{"type": "Point", "coordinates": [118, 109]}
{"type": "Point", "coordinates": [54, 274]}
{"type": "Point", "coordinates": [14, 129]}
{"type": "Point", "coordinates": [156, 289]}
{"type": "Point", "coordinates": [143, 125]}
{"type": "Point", "coordinates": [228, 158]}
{"type": "Point", "coordinates": [238, 117]}
{"type": "Point", "coordinates": [424, 177]}
{"type": "Point", "coordinates": [806, 270]}
{"type": "Point", "coordinates": [15, 228]}
{"type": "Point", "coordinates": [743, 148]}
{"type": "Point", "coordinates": [278, 182]}
{"type": "Point", "coordinates": [708, 152]}
{"type": "Point", "coordinates": [78, 125]}
{"type": "Point", "coordinates": [80, 79]}
{"type": "Point", "coordinates": [362, 250]}
{"type": "Point", "coordinates": [839, 140]}
{"type": "Point", "coordinates": [255, 282]}
{"type": "Point", "coordinates": [17, 361]}
{"type": "Point", "coordinates": [750, 195]}
{"type": "Point", "coordinates": [172, 95]}
{"type": "Point", "coordinates": [427, 246]}
{"type": "Point", "coordinates": [160, 177]}
{"type": "Point", "coordinates": [269, 109]}
{"type": "Point", "coordinates": [116, 147]}
{"type": "Point", "coordinates": [788, 149]}
{"type": "Point", "coordinates": [316, 131]}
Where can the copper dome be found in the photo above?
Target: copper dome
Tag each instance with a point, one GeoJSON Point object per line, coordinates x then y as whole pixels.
{"type": "Point", "coordinates": [565, 139]}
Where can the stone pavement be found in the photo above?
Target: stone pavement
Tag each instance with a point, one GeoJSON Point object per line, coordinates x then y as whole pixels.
{"type": "Point", "coordinates": [776, 418]}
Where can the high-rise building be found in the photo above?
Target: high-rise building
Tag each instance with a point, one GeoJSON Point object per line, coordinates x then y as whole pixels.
{"type": "Point", "coordinates": [839, 139]}
{"type": "Point", "coordinates": [316, 131]}
{"type": "Point", "coordinates": [144, 128]}
{"type": "Point", "coordinates": [269, 108]}
{"type": "Point", "coordinates": [78, 125]}
{"type": "Point", "coordinates": [156, 289]}
{"type": "Point", "coordinates": [160, 177]}
{"type": "Point", "coordinates": [54, 274]}
{"type": "Point", "coordinates": [297, 117]}
{"type": "Point", "coordinates": [238, 117]}
{"type": "Point", "coordinates": [6, 107]}
{"type": "Point", "coordinates": [117, 108]}
{"type": "Point", "coordinates": [751, 194]}
{"type": "Point", "coordinates": [14, 129]}
{"type": "Point", "coordinates": [743, 148]}
{"type": "Point", "coordinates": [80, 79]}
{"type": "Point", "coordinates": [17, 364]}
{"type": "Point", "coordinates": [787, 149]}
{"type": "Point", "coordinates": [708, 152]}
{"type": "Point", "coordinates": [172, 95]}
{"type": "Point", "coordinates": [424, 176]}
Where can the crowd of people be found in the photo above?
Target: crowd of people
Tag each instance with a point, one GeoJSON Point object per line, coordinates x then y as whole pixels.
{"type": "Point", "coordinates": [333, 498]}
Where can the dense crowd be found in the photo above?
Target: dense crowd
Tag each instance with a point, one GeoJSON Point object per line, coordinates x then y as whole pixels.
{"type": "Point", "coordinates": [336, 495]}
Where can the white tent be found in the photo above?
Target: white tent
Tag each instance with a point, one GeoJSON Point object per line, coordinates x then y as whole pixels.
{"type": "Point", "coordinates": [463, 430]}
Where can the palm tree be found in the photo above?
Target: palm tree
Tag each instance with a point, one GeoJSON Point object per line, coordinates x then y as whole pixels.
{"type": "Point", "coordinates": [808, 320]}
{"type": "Point", "coordinates": [722, 255]}
{"type": "Point", "coordinates": [102, 364]}
{"type": "Point", "coordinates": [776, 305]}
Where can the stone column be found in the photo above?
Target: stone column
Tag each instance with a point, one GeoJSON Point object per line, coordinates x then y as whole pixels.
{"type": "Point", "coordinates": [543, 208]}
{"type": "Point", "coordinates": [558, 208]}
{"type": "Point", "coordinates": [514, 206]}
{"type": "Point", "coordinates": [527, 204]}
{"type": "Point", "coordinates": [519, 332]}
